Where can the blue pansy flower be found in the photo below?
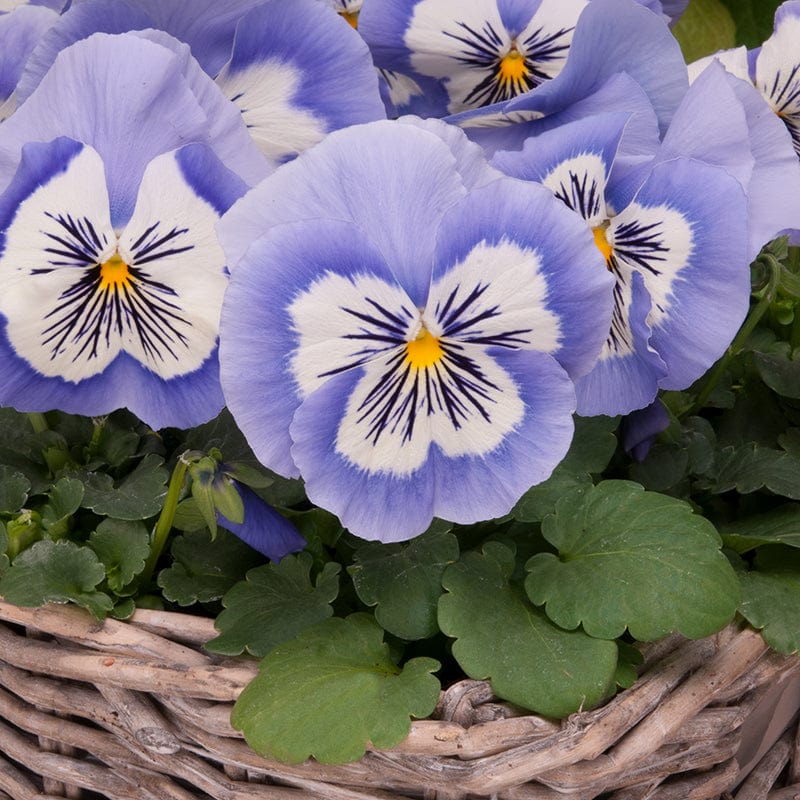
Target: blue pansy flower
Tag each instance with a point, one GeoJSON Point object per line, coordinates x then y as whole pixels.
{"type": "Point", "coordinates": [673, 234]}
{"type": "Point", "coordinates": [402, 329]}
{"type": "Point", "coordinates": [480, 53]}
{"type": "Point", "coordinates": [293, 70]}
{"type": "Point", "coordinates": [623, 58]}
{"type": "Point", "coordinates": [111, 270]}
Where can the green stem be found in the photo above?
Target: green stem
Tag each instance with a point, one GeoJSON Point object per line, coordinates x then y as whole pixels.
{"type": "Point", "coordinates": [165, 519]}
{"type": "Point", "coordinates": [737, 345]}
{"type": "Point", "coordinates": [38, 422]}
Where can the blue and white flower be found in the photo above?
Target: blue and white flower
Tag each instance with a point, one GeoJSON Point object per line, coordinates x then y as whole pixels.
{"type": "Point", "coordinates": [397, 331]}
{"type": "Point", "coordinates": [481, 53]}
{"type": "Point", "coordinates": [674, 236]}
{"type": "Point", "coordinates": [112, 273]}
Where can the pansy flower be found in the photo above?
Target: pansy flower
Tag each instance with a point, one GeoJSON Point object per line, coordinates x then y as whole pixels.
{"type": "Point", "coordinates": [674, 236]}
{"type": "Point", "coordinates": [402, 329]}
{"type": "Point", "coordinates": [481, 53]}
{"type": "Point", "coordinates": [111, 270]}
{"type": "Point", "coordinates": [623, 58]}
{"type": "Point", "coordinates": [292, 69]}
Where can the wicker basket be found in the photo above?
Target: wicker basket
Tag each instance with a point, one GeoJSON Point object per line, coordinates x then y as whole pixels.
{"type": "Point", "coordinates": [138, 710]}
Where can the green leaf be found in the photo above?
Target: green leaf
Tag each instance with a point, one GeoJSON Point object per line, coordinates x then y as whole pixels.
{"type": "Point", "coordinates": [780, 372]}
{"type": "Point", "coordinates": [331, 692]}
{"type": "Point", "coordinates": [188, 516]}
{"type": "Point", "coordinates": [14, 488]}
{"type": "Point", "coordinates": [404, 582]}
{"type": "Point", "coordinates": [56, 572]}
{"type": "Point", "coordinates": [123, 547]}
{"type": "Point", "coordinates": [501, 636]}
{"type": "Point", "coordinates": [139, 496]}
{"type": "Point", "coordinates": [632, 559]}
{"type": "Point", "coordinates": [754, 20]}
{"type": "Point", "coordinates": [771, 597]}
{"type": "Point", "coordinates": [63, 500]}
{"type": "Point", "coordinates": [705, 27]}
{"type": "Point", "coordinates": [750, 468]}
{"type": "Point", "coordinates": [273, 604]}
{"type": "Point", "coordinates": [116, 445]}
{"type": "Point", "coordinates": [630, 659]}
{"type": "Point", "coordinates": [204, 569]}
{"type": "Point", "coordinates": [781, 525]}
{"type": "Point", "coordinates": [592, 447]}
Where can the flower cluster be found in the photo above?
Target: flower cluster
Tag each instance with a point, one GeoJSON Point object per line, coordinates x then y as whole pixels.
{"type": "Point", "coordinates": [403, 241]}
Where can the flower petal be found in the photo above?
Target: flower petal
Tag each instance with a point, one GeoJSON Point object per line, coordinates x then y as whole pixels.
{"type": "Point", "coordinates": [412, 170]}
{"type": "Point", "coordinates": [694, 262]}
{"type": "Point", "coordinates": [297, 74]}
{"type": "Point", "coordinates": [263, 528]}
{"type": "Point", "coordinates": [628, 371]}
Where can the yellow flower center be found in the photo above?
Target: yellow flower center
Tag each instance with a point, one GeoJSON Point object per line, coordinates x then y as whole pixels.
{"type": "Point", "coordinates": [424, 351]}
{"type": "Point", "coordinates": [114, 272]}
{"type": "Point", "coordinates": [512, 67]}
{"type": "Point", "coordinates": [602, 243]}
{"type": "Point", "coordinates": [351, 17]}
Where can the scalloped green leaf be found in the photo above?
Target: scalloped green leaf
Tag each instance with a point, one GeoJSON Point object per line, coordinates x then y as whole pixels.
{"type": "Point", "coordinates": [632, 559]}
{"type": "Point", "coordinates": [204, 569]}
{"type": "Point", "coordinates": [14, 489]}
{"type": "Point", "coordinates": [779, 526]}
{"type": "Point", "coordinates": [138, 496]}
{"type": "Point", "coordinates": [404, 581]}
{"type": "Point", "coordinates": [501, 636]}
{"type": "Point", "coordinates": [332, 692]}
{"type": "Point", "coordinates": [273, 604]}
{"type": "Point", "coordinates": [751, 467]}
{"type": "Point", "coordinates": [780, 371]}
{"type": "Point", "coordinates": [123, 546]}
{"type": "Point", "coordinates": [56, 572]}
{"type": "Point", "coordinates": [771, 597]}
{"type": "Point", "coordinates": [63, 500]}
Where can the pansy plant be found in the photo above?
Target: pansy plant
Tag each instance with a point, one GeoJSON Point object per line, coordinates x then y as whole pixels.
{"type": "Point", "coordinates": [407, 377]}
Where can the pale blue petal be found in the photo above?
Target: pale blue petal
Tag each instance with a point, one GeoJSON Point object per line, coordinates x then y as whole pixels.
{"type": "Point", "coordinates": [619, 94]}
{"type": "Point", "coordinates": [158, 111]}
{"type": "Point", "coordinates": [297, 73]}
{"type": "Point", "coordinates": [394, 181]}
{"type": "Point", "coordinates": [92, 16]}
{"type": "Point", "coordinates": [773, 192]}
{"type": "Point", "coordinates": [20, 32]}
{"type": "Point", "coordinates": [207, 26]}
{"type": "Point", "coordinates": [615, 36]}
{"type": "Point", "coordinates": [699, 309]}
{"type": "Point", "coordinates": [626, 379]}
{"type": "Point", "coordinates": [599, 135]}
{"type": "Point", "coordinates": [710, 126]}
